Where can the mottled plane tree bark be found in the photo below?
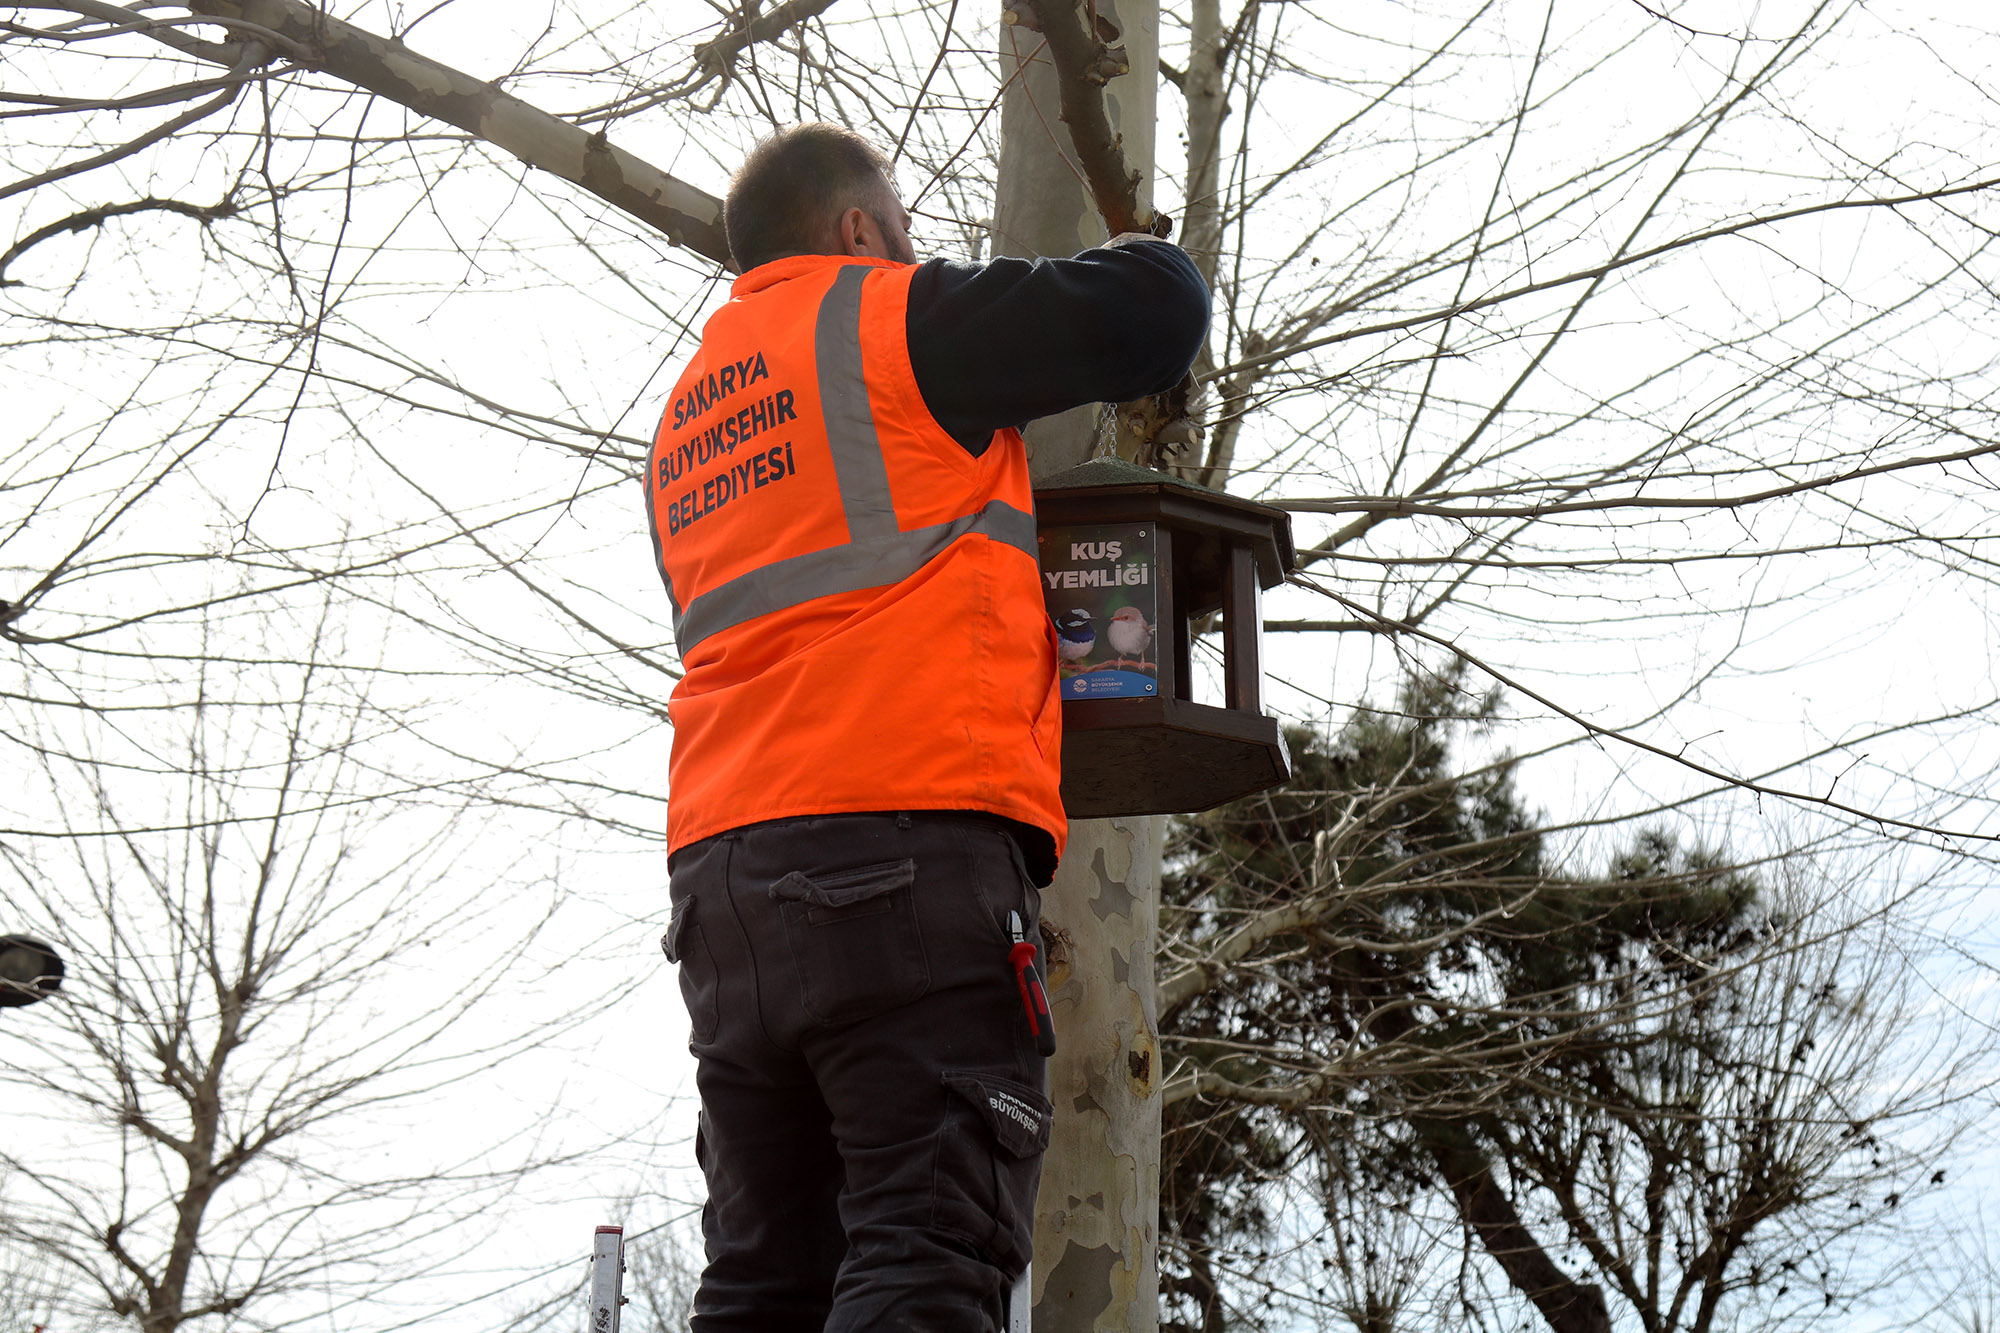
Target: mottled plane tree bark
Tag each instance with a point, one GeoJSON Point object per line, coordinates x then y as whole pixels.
{"type": "Point", "coordinates": [1097, 1219]}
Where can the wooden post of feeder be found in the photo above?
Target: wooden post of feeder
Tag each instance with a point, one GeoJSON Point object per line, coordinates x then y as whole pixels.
{"type": "Point", "coordinates": [1242, 625]}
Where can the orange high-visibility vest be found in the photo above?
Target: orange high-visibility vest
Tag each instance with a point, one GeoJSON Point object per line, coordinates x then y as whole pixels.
{"type": "Point", "coordinates": [856, 597]}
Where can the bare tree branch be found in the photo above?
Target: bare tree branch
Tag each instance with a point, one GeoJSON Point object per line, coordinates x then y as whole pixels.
{"type": "Point", "coordinates": [683, 214]}
{"type": "Point", "coordinates": [1084, 61]}
{"type": "Point", "coordinates": [97, 217]}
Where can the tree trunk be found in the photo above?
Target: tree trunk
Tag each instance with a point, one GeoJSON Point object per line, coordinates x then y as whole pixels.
{"type": "Point", "coordinates": [1097, 1220]}
{"type": "Point", "coordinates": [1463, 1166]}
{"type": "Point", "coordinates": [1201, 214]}
{"type": "Point", "coordinates": [1569, 1306]}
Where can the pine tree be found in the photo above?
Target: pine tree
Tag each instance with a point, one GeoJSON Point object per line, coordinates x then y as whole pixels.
{"type": "Point", "coordinates": [1607, 1081]}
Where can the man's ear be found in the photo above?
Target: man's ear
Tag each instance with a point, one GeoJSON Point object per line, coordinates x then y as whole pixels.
{"type": "Point", "coordinates": [855, 233]}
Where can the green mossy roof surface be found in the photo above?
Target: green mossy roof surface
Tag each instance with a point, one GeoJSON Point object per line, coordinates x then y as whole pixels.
{"type": "Point", "coordinates": [1118, 472]}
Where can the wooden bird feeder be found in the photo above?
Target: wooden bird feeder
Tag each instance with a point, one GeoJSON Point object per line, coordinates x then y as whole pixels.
{"type": "Point", "coordinates": [1131, 558]}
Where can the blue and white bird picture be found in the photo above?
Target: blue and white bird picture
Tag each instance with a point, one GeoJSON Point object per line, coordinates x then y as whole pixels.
{"type": "Point", "coordinates": [1075, 635]}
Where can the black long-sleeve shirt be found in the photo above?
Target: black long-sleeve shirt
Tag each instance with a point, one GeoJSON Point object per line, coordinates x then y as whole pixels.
{"type": "Point", "coordinates": [1004, 342]}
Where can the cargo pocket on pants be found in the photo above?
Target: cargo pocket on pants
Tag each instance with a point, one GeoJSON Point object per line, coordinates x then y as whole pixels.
{"type": "Point", "coordinates": [688, 951]}
{"type": "Point", "coordinates": [854, 939]}
{"type": "Point", "coordinates": [989, 1161]}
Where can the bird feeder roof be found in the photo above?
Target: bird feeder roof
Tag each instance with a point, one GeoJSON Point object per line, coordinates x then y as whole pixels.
{"type": "Point", "coordinates": [1111, 490]}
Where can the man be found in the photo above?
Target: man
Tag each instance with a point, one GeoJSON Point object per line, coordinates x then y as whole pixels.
{"type": "Point", "coordinates": [863, 799]}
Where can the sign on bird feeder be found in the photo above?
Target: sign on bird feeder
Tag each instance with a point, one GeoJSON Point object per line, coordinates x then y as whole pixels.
{"type": "Point", "coordinates": [1131, 558]}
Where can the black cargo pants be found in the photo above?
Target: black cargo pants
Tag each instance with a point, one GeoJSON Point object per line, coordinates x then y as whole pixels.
{"type": "Point", "coordinates": [872, 1105]}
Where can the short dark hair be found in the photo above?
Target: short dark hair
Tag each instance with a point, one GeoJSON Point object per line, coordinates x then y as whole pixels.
{"type": "Point", "coordinates": [788, 194]}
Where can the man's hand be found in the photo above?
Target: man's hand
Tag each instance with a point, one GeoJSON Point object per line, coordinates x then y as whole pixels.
{"type": "Point", "coordinates": [1166, 426]}
{"type": "Point", "coordinates": [1132, 237]}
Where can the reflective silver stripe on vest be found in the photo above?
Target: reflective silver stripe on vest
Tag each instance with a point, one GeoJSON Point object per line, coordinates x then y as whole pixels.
{"type": "Point", "coordinates": [874, 563]}
{"type": "Point", "coordinates": [850, 419]}
{"type": "Point", "coordinates": [877, 553]}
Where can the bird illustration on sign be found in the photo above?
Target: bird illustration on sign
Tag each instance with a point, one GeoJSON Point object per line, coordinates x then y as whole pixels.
{"type": "Point", "coordinates": [1075, 635]}
{"type": "Point", "coordinates": [1130, 635]}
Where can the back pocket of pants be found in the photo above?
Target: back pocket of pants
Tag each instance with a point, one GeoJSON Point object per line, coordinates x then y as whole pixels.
{"type": "Point", "coordinates": [854, 938]}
